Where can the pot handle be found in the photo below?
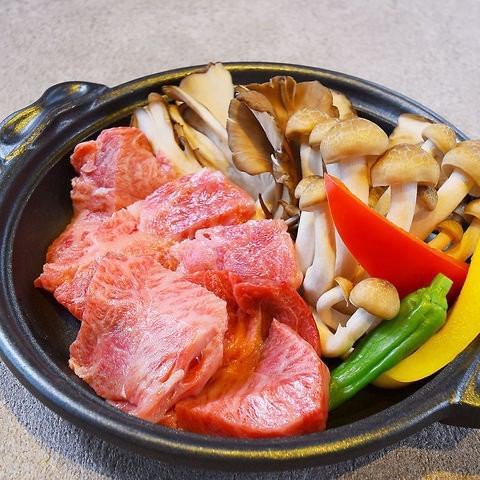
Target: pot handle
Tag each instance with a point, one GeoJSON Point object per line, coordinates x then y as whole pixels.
{"type": "Point", "coordinates": [464, 408]}
{"type": "Point", "coordinates": [20, 130]}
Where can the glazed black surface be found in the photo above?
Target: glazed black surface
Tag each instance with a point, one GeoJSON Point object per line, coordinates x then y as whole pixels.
{"type": "Point", "coordinates": [35, 332]}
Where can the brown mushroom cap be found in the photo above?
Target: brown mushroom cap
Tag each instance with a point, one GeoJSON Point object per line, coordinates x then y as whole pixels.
{"type": "Point", "coordinates": [451, 228]}
{"type": "Point", "coordinates": [376, 296]}
{"type": "Point", "coordinates": [409, 129]}
{"type": "Point", "coordinates": [472, 209]}
{"type": "Point", "coordinates": [320, 131]}
{"type": "Point", "coordinates": [405, 163]}
{"type": "Point", "coordinates": [442, 136]}
{"type": "Point", "coordinates": [311, 192]}
{"type": "Point", "coordinates": [302, 122]}
{"type": "Point", "coordinates": [466, 158]}
{"type": "Point", "coordinates": [427, 196]}
{"type": "Point", "coordinates": [355, 137]}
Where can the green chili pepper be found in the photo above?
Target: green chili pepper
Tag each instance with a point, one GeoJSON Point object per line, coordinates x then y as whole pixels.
{"type": "Point", "coordinates": [421, 314]}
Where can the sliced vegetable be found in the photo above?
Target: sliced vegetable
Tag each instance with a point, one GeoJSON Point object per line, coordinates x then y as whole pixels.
{"type": "Point", "coordinates": [421, 314]}
{"type": "Point", "coordinates": [386, 251]}
{"type": "Point", "coordinates": [461, 328]}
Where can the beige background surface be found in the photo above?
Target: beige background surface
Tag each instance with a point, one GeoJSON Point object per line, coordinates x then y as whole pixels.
{"type": "Point", "coordinates": [428, 50]}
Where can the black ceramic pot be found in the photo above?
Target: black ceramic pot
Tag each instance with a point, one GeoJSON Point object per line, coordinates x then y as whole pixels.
{"type": "Point", "coordinates": [35, 332]}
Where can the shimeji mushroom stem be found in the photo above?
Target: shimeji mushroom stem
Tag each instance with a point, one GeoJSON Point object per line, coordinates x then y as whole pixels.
{"type": "Point", "coordinates": [383, 204]}
{"type": "Point", "coordinates": [428, 146]}
{"type": "Point", "coordinates": [463, 250]}
{"type": "Point", "coordinates": [440, 242]}
{"type": "Point", "coordinates": [305, 244]}
{"type": "Point", "coordinates": [325, 303]}
{"type": "Point", "coordinates": [340, 342]}
{"type": "Point", "coordinates": [402, 205]}
{"type": "Point", "coordinates": [354, 174]}
{"type": "Point", "coordinates": [450, 194]}
{"type": "Point", "coordinates": [319, 275]}
{"type": "Point", "coordinates": [311, 161]}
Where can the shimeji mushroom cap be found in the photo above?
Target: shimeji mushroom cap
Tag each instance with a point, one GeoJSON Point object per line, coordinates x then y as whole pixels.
{"type": "Point", "coordinates": [311, 193]}
{"type": "Point", "coordinates": [355, 137]}
{"type": "Point", "coordinates": [346, 285]}
{"type": "Point", "coordinates": [472, 209]}
{"type": "Point", "coordinates": [320, 131]}
{"type": "Point", "coordinates": [466, 158]}
{"type": "Point", "coordinates": [403, 164]}
{"type": "Point", "coordinates": [451, 228]}
{"type": "Point", "coordinates": [427, 197]}
{"type": "Point", "coordinates": [442, 136]}
{"type": "Point", "coordinates": [376, 296]}
{"type": "Point", "coordinates": [302, 122]}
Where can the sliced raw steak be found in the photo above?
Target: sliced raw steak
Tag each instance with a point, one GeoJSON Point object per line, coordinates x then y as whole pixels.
{"type": "Point", "coordinates": [116, 170]}
{"type": "Point", "coordinates": [260, 249]}
{"type": "Point", "coordinates": [287, 394]}
{"type": "Point", "coordinates": [148, 338]}
{"type": "Point", "coordinates": [72, 257]}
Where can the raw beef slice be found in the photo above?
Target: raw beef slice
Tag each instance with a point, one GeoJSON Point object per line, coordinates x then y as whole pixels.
{"type": "Point", "coordinates": [260, 249]}
{"type": "Point", "coordinates": [116, 170]}
{"type": "Point", "coordinates": [287, 394]}
{"type": "Point", "coordinates": [148, 337]}
{"type": "Point", "coordinates": [72, 257]}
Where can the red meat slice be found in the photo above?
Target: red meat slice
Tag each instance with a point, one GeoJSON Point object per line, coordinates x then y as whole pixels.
{"type": "Point", "coordinates": [148, 337]}
{"type": "Point", "coordinates": [204, 199]}
{"type": "Point", "coordinates": [72, 257]}
{"type": "Point", "coordinates": [287, 394]}
{"type": "Point", "coordinates": [254, 250]}
{"type": "Point", "coordinates": [116, 170]}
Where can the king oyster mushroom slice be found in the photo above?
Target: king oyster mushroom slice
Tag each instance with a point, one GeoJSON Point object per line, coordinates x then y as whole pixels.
{"type": "Point", "coordinates": [403, 168]}
{"type": "Point", "coordinates": [154, 121]}
{"type": "Point", "coordinates": [462, 166]}
{"type": "Point", "coordinates": [319, 264]}
{"type": "Point", "coordinates": [376, 300]}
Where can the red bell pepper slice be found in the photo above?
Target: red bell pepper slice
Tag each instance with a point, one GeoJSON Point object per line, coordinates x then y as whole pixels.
{"type": "Point", "coordinates": [385, 250]}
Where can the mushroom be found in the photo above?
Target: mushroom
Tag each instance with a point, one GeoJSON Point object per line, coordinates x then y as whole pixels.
{"type": "Point", "coordinates": [315, 161]}
{"type": "Point", "coordinates": [319, 264]}
{"type": "Point", "coordinates": [154, 121]}
{"type": "Point", "coordinates": [409, 129]}
{"type": "Point", "coordinates": [344, 106]}
{"type": "Point", "coordinates": [375, 194]}
{"type": "Point", "coordinates": [462, 165]}
{"type": "Point", "coordinates": [403, 167]}
{"type": "Point", "coordinates": [427, 197]}
{"type": "Point", "coordinates": [298, 129]}
{"type": "Point", "coordinates": [350, 142]}
{"type": "Point", "coordinates": [376, 300]}
{"type": "Point", "coordinates": [332, 297]}
{"type": "Point", "coordinates": [438, 139]}
{"type": "Point", "coordinates": [463, 250]}
{"type": "Point", "coordinates": [450, 232]}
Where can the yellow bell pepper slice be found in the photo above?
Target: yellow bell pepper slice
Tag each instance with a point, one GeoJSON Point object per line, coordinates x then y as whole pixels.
{"type": "Point", "coordinates": [461, 328]}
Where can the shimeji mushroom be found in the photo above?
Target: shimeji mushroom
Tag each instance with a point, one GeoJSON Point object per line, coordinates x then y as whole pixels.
{"type": "Point", "coordinates": [438, 139]}
{"type": "Point", "coordinates": [464, 249]}
{"type": "Point", "coordinates": [319, 265]}
{"type": "Point", "coordinates": [332, 297]}
{"type": "Point", "coordinates": [319, 132]}
{"type": "Point", "coordinates": [403, 168]}
{"type": "Point", "coordinates": [462, 166]}
{"type": "Point", "coordinates": [450, 232]}
{"type": "Point", "coordinates": [343, 105]}
{"type": "Point", "coordinates": [409, 129]}
{"type": "Point", "coordinates": [376, 300]}
{"type": "Point", "coordinates": [349, 144]}
{"type": "Point", "coordinates": [299, 127]}
{"type": "Point", "coordinates": [155, 123]}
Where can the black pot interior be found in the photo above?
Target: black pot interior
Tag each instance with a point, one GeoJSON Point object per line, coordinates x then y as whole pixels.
{"type": "Point", "coordinates": [47, 212]}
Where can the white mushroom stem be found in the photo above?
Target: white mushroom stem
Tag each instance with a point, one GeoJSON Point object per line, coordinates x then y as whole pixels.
{"type": "Point", "coordinates": [428, 146]}
{"type": "Point", "coordinates": [319, 275]}
{"type": "Point", "coordinates": [310, 160]}
{"type": "Point", "coordinates": [354, 174]}
{"type": "Point", "coordinates": [402, 206]}
{"type": "Point", "coordinates": [325, 303]}
{"type": "Point", "coordinates": [305, 243]}
{"type": "Point", "coordinates": [340, 342]}
{"type": "Point", "coordinates": [383, 205]}
{"type": "Point", "coordinates": [450, 194]}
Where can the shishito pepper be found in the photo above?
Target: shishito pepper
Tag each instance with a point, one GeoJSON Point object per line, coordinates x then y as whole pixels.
{"type": "Point", "coordinates": [421, 314]}
{"type": "Point", "coordinates": [461, 328]}
{"type": "Point", "coordinates": [385, 250]}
